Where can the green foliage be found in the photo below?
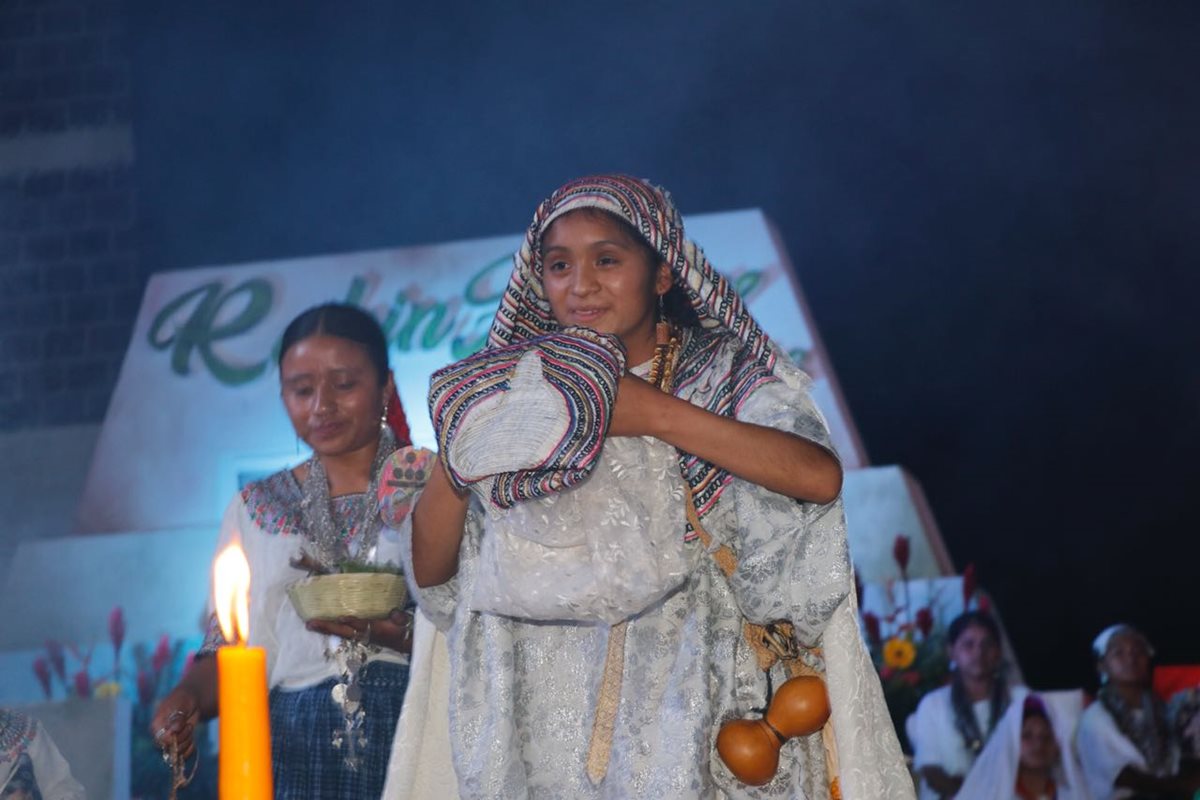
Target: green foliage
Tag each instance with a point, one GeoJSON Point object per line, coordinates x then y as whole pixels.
{"type": "Point", "coordinates": [379, 569]}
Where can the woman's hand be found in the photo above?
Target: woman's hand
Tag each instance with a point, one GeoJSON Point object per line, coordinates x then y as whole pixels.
{"type": "Point", "coordinates": [394, 632]}
{"type": "Point", "coordinates": [175, 721]}
{"type": "Point", "coordinates": [193, 700]}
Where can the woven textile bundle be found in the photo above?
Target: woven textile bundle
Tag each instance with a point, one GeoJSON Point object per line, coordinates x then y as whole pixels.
{"type": "Point", "coordinates": [534, 448]}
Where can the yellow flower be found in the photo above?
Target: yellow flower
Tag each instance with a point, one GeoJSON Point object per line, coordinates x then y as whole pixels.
{"type": "Point", "coordinates": [899, 653]}
{"type": "Point", "coordinates": [107, 689]}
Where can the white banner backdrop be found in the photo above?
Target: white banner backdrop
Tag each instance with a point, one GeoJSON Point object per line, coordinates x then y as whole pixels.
{"type": "Point", "coordinates": [196, 411]}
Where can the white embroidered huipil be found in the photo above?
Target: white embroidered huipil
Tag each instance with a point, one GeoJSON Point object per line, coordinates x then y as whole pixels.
{"type": "Point", "coordinates": [523, 692]}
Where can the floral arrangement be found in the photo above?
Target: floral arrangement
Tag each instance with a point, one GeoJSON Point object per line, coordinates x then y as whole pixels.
{"type": "Point", "coordinates": [152, 673]}
{"type": "Point", "coordinates": [908, 646]}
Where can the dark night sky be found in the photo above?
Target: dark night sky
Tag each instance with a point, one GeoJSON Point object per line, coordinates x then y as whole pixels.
{"type": "Point", "coordinates": [992, 209]}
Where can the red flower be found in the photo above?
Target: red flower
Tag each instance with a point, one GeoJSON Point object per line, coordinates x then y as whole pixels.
{"type": "Point", "coordinates": [871, 623]}
{"type": "Point", "coordinates": [42, 670]}
{"type": "Point", "coordinates": [911, 677]}
{"type": "Point", "coordinates": [901, 552]}
{"type": "Point", "coordinates": [969, 585]}
{"type": "Point", "coordinates": [162, 654]}
{"type": "Point", "coordinates": [985, 605]}
{"type": "Point", "coordinates": [145, 688]}
{"type": "Point", "coordinates": [886, 672]}
{"type": "Point", "coordinates": [83, 685]}
{"type": "Point", "coordinates": [925, 621]}
{"type": "Point", "coordinates": [116, 630]}
{"type": "Point", "coordinates": [54, 651]}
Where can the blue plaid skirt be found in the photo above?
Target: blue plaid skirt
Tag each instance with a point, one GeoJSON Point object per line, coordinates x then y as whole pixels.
{"type": "Point", "coordinates": [306, 765]}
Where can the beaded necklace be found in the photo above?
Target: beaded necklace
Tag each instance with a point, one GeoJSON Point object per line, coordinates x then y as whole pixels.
{"type": "Point", "coordinates": [330, 539]}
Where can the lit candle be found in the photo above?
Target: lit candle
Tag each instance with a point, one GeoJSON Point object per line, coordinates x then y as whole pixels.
{"type": "Point", "coordinates": [245, 757]}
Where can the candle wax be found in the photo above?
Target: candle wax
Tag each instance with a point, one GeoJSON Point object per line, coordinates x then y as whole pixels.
{"type": "Point", "coordinates": [245, 755]}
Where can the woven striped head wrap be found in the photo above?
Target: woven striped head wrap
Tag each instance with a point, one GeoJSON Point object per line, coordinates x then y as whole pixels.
{"type": "Point", "coordinates": [525, 312]}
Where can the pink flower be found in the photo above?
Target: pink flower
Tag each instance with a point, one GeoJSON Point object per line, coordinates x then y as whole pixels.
{"type": "Point", "coordinates": [145, 688]}
{"type": "Point", "coordinates": [83, 685]}
{"type": "Point", "coordinates": [871, 623]}
{"type": "Point", "coordinates": [42, 670]}
{"type": "Point", "coordinates": [162, 654]}
{"type": "Point", "coordinates": [901, 552]}
{"type": "Point", "coordinates": [925, 621]}
{"type": "Point", "coordinates": [969, 585]}
{"type": "Point", "coordinates": [54, 651]}
{"type": "Point", "coordinates": [116, 630]}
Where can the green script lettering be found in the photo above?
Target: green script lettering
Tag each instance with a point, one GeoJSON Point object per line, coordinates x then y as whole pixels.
{"type": "Point", "coordinates": [189, 323]}
{"type": "Point", "coordinates": [484, 289]}
{"type": "Point", "coordinates": [477, 292]}
{"type": "Point", "coordinates": [201, 330]}
{"type": "Point", "coordinates": [434, 313]}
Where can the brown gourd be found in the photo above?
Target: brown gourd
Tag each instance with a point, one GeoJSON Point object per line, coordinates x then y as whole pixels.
{"type": "Point", "coordinates": [750, 747]}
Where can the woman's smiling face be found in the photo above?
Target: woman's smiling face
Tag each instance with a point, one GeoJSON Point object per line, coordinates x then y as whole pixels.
{"type": "Point", "coordinates": [597, 276]}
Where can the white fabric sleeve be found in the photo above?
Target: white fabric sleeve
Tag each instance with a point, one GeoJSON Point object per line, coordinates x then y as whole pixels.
{"type": "Point", "coordinates": [51, 770]}
{"type": "Point", "coordinates": [793, 557]}
{"type": "Point", "coordinates": [1104, 751]}
{"type": "Point", "coordinates": [924, 728]}
{"type": "Point", "coordinates": [229, 534]}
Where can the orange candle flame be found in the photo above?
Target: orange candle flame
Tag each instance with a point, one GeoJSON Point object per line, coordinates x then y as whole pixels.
{"type": "Point", "coordinates": [231, 594]}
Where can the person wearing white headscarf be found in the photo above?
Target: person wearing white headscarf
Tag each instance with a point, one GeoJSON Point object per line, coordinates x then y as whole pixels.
{"type": "Point", "coordinates": [1016, 750]}
{"type": "Point", "coordinates": [1124, 741]}
{"type": "Point", "coordinates": [533, 712]}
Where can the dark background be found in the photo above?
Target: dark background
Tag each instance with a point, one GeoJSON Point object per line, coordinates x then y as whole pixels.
{"type": "Point", "coordinates": [992, 208]}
